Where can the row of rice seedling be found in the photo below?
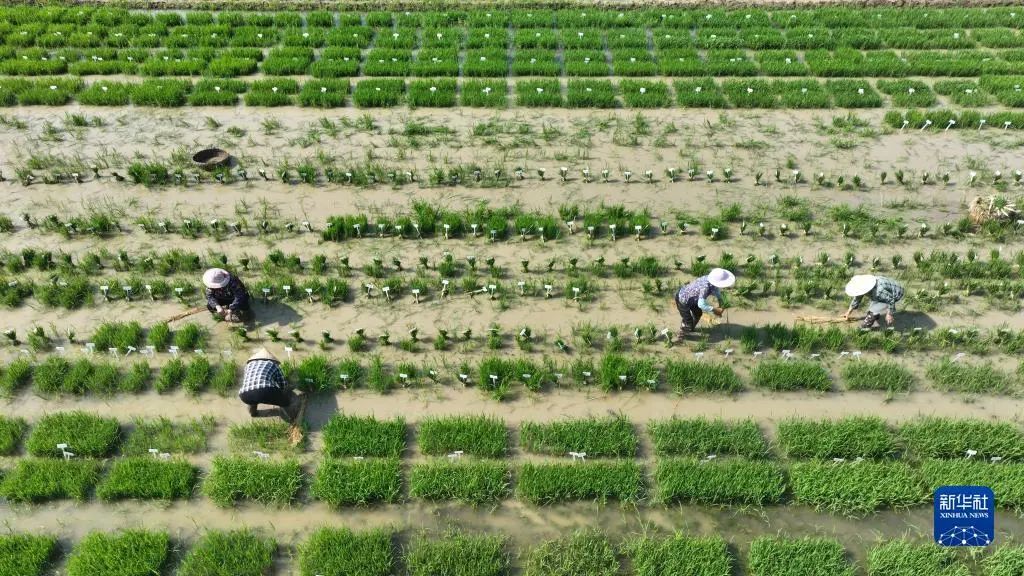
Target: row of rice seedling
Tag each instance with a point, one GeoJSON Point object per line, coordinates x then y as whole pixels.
{"type": "Point", "coordinates": [57, 375]}
{"type": "Point", "coordinates": [720, 482]}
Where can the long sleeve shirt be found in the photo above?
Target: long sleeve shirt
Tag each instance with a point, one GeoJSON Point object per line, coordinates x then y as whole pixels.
{"type": "Point", "coordinates": [262, 374]}
{"type": "Point", "coordinates": [234, 296]}
{"type": "Point", "coordinates": [886, 290]}
{"type": "Point", "coordinates": [696, 293]}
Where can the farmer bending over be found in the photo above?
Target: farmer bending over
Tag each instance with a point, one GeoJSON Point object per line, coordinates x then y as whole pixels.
{"type": "Point", "coordinates": [264, 383]}
{"type": "Point", "coordinates": [692, 299]}
{"type": "Point", "coordinates": [883, 294]}
{"type": "Point", "coordinates": [226, 296]}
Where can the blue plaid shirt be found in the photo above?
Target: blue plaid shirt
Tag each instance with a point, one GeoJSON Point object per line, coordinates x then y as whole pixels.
{"type": "Point", "coordinates": [262, 374]}
{"type": "Point", "coordinates": [886, 290]}
{"type": "Point", "coordinates": [700, 289]}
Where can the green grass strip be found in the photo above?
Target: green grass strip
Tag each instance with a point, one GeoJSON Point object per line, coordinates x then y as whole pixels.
{"type": "Point", "coordinates": [857, 436]}
{"type": "Point", "coordinates": [11, 431]}
{"type": "Point", "coordinates": [882, 375]}
{"type": "Point", "coordinates": [457, 555]}
{"type": "Point", "coordinates": [234, 478]}
{"type": "Point", "coordinates": [87, 435]}
{"type": "Point", "coordinates": [26, 554]}
{"type": "Point", "coordinates": [230, 553]}
{"type": "Point", "coordinates": [933, 437]}
{"type": "Point", "coordinates": [146, 478]}
{"type": "Point", "coordinates": [720, 482]}
{"type": "Point", "coordinates": [903, 558]}
{"type": "Point", "coordinates": [584, 552]}
{"type": "Point", "coordinates": [599, 437]}
{"type": "Point", "coordinates": [42, 479]}
{"type": "Point", "coordinates": [686, 377]}
{"type": "Point", "coordinates": [679, 555]}
{"type": "Point", "coordinates": [340, 551]}
{"type": "Point", "coordinates": [187, 437]}
{"type": "Point", "coordinates": [472, 481]}
{"type": "Point", "coordinates": [600, 481]}
{"type": "Point", "coordinates": [125, 553]}
{"type": "Point", "coordinates": [474, 435]}
{"type": "Point", "coordinates": [262, 436]}
{"type": "Point", "coordinates": [777, 556]}
{"type": "Point", "coordinates": [357, 482]}
{"type": "Point", "coordinates": [702, 436]}
{"type": "Point", "coordinates": [787, 375]}
{"type": "Point", "coordinates": [856, 488]}
{"type": "Point", "coordinates": [1006, 479]}
{"type": "Point", "coordinates": [345, 435]}
{"type": "Point", "coordinates": [949, 376]}
{"type": "Point", "coordinates": [1005, 561]}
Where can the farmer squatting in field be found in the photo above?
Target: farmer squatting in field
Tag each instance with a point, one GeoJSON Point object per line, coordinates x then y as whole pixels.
{"type": "Point", "coordinates": [883, 294]}
{"type": "Point", "coordinates": [226, 296]}
{"type": "Point", "coordinates": [692, 299]}
{"type": "Point", "coordinates": [264, 383]}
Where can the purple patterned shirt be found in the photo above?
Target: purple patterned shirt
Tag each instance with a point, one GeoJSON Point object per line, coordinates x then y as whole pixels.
{"type": "Point", "coordinates": [691, 294]}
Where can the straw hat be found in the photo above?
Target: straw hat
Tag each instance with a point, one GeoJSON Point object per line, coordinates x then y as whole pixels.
{"type": "Point", "coordinates": [860, 285]}
{"type": "Point", "coordinates": [721, 278]}
{"type": "Point", "coordinates": [262, 354]}
{"type": "Point", "coordinates": [216, 278]}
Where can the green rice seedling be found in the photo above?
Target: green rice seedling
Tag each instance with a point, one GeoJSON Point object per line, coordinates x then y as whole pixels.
{"type": "Point", "coordinates": [908, 93]}
{"type": "Point", "coordinates": [534, 38]}
{"type": "Point", "coordinates": [171, 375]}
{"type": "Point", "coordinates": [87, 435]}
{"type": "Point", "coordinates": [118, 335]}
{"type": "Point", "coordinates": [190, 336]}
{"type": "Point", "coordinates": [230, 66]}
{"type": "Point", "coordinates": [936, 437]}
{"type": "Point", "coordinates": [583, 552]}
{"type": "Point", "coordinates": [585, 63]}
{"type": "Point", "coordinates": [965, 93]}
{"type": "Point", "coordinates": [124, 553]}
{"type": "Point", "coordinates": [345, 436]}
{"type": "Point", "coordinates": [599, 437]}
{"type": "Point", "coordinates": [353, 482]}
{"type": "Point", "coordinates": [223, 378]}
{"type": "Point", "coordinates": [779, 556]}
{"type": "Point", "coordinates": [544, 484]}
{"type": "Point", "coordinates": [852, 437]}
{"type": "Point", "coordinates": [591, 94]}
{"type": "Point", "coordinates": [436, 93]}
{"type": "Point", "coordinates": [783, 375]}
{"type": "Point", "coordinates": [15, 376]}
{"type": "Point", "coordinates": [42, 479]}
{"type": "Point", "coordinates": [160, 93]}
{"type": "Point", "coordinates": [962, 377]}
{"type": "Point", "coordinates": [26, 554]}
{"type": "Point", "coordinates": [633, 62]}
{"type": "Point", "coordinates": [11, 431]}
{"type": "Point", "coordinates": [49, 376]}
{"type": "Point", "coordinates": [270, 436]}
{"type": "Point", "coordinates": [184, 437]}
{"type": "Point", "coordinates": [317, 373]}
{"type": "Point", "coordinates": [70, 293]}
{"type": "Point", "coordinates": [287, 61]}
{"type": "Point", "coordinates": [336, 62]}
{"type": "Point", "coordinates": [802, 94]}
{"type": "Point", "coordinates": [378, 93]}
{"type": "Point", "coordinates": [49, 91]}
{"type": "Point", "coordinates": [197, 375]}
{"type": "Point", "coordinates": [482, 436]}
{"type": "Point", "coordinates": [751, 93]}
{"type": "Point", "coordinates": [147, 478]}
{"type": "Point", "coordinates": [485, 63]}
{"type": "Point", "coordinates": [904, 558]}
{"type": "Point", "coordinates": [680, 555]}
{"type": "Point", "coordinates": [538, 93]}
{"type": "Point", "coordinates": [457, 554]}
{"type": "Point", "coordinates": [159, 336]}
{"type": "Point", "coordinates": [1005, 561]}
{"type": "Point", "coordinates": [1005, 479]}
{"type": "Point", "coordinates": [853, 94]}
{"type": "Point", "coordinates": [725, 482]}
{"type": "Point", "coordinates": [234, 553]}
{"type": "Point", "coordinates": [436, 62]}
{"type": "Point", "coordinates": [644, 93]}
{"type": "Point", "coordinates": [387, 62]}
{"type": "Point", "coordinates": [701, 93]}
{"type": "Point", "coordinates": [781, 63]}
{"type": "Point", "coordinates": [341, 551]}
{"type": "Point", "coordinates": [688, 377]}
{"type": "Point", "coordinates": [234, 478]}
{"type": "Point", "coordinates": [702, 437]}
{"type": "Point", "coordinates": [881, 375]}
{"type": "Point", "coordinates": [324, 93]}
{"type": "Point", "coordinates": [470, 481]}
{"type": "Point", "coordinates": [105, 93]}
{"type": "Point", "coordinates": [535, 63]}
{"type": "Point", "coordinates": [856, 488]}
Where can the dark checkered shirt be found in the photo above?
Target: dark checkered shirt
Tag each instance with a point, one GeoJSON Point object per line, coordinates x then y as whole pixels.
{"type": "Point", "coordinates": [886, 290]}
{"type": "Point", "coordinates": [262, 374]}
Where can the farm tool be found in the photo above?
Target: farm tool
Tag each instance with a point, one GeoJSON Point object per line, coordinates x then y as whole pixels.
{"type": "Point", "coordinates": [824, 319]}
{"type": "Point", "coordinates": [186, 314]}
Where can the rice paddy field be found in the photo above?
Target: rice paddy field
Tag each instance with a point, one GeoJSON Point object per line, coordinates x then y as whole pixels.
{"type": "Point", "coordinates": [462, 230]}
